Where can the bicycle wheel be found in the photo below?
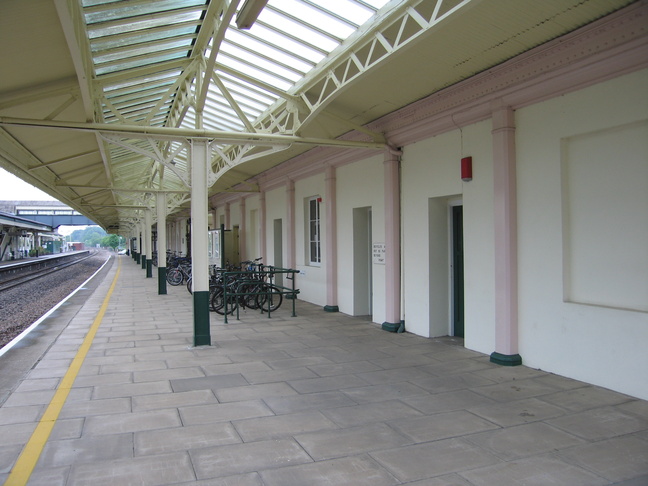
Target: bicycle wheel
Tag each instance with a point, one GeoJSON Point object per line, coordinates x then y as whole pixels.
{"type": "Point", "coordinates": [270, 298]}
{"type": "Point", "coordinates": [217, 302]}
{"type": "Point", "coordinates": [189, 283]}
{"type": "Point", "coordinates": [248, 294]}
{"type": "Point", "coordinates": [174, 277]}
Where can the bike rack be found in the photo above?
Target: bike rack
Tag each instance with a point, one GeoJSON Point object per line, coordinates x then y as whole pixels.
{"type": "Point", "coordinates": [268, 276]}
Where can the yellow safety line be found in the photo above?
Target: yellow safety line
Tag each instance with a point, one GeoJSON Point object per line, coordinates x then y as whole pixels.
{"type": "Point", "coordinates": [25, 464]}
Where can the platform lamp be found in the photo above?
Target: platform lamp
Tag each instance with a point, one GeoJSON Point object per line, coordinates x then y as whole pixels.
{"type": "Point", "coordinates": [249, 13]}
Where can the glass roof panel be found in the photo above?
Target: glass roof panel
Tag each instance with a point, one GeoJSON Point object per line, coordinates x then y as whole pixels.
{"type": "Point", "coordinates": [148, 22]}
{"type": "Point", "coordinates": [127, 39]}
{"type": "Point", "coordinates": [134, 84]}
{"type": "Point", "coordinates": [124, 9]}
{"type": "Point", "coordinates": [356, 12]}
{"type": "Point", "coordinates": [268, 50]}
{"type": "Point", "coordinates": [298, 30]}
{"type": "Point", "coordinates": [219, 102]}
{"type": "Point", "coordinates": [155, 92]}
{"type": "Point", "coordinates": [289, 43]}
{"type": "Point", "coordinates": [319, 18]}
{"type": "Point", "coordinates": [139, 50]}
{"type": "Point", "coordinates": [131, 40]}
{"type": "Point", "coordinates": [261, 62]}
{"type": "Point", "coordinates": [247, 89]}
{"type": "Point", "coordinates": [139, 61]}
{"type": "Point", "coordinates": [257, 73]}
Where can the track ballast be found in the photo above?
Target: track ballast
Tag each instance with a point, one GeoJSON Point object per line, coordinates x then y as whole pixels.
{"type": "Point", "coordinates": [24, 304]}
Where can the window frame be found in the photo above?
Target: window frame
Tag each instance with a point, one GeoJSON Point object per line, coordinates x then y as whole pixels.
{"type": "Point", "coordinates": [314, 231]}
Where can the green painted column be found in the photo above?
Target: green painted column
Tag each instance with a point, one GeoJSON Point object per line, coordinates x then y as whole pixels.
{"type": "Point", "coordinates": [202, 335]}
{"type": "Point", "coordinates": [162, 288]}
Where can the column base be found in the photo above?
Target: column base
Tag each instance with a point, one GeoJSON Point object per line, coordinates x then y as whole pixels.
{"type": "Point", "coordinates": [149, 268]}
{"type": "Point", "coordinates": [331, 308]}
{"type": "Point", "coordinates": [202, 336]}
{"type": "Point", "coordinates": [394, 327]}
{"type": "Point", "coordinates": [162, 289]}
{"type": "Point", "coordinates": [506, 359]}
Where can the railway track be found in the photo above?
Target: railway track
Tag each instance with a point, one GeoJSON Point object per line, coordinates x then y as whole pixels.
{"type": "Point", "coordinates": [8, 282]}
{"type": "Point", "coordinates": [23, 303]}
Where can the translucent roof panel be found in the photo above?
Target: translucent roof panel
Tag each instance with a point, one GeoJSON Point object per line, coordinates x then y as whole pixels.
{"type": "Point", "coordinates": [286, 43]}
{"type": "Point", "coordinates": [147, 55]}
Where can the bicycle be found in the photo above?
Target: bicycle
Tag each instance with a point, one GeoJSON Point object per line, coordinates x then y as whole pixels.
{"type": "Point", "coordinates": [179, 274]}
{"type": "Point", "coordinates": [247, 288]}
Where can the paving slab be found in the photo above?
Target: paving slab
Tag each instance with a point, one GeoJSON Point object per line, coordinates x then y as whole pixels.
{"type": "Point", "coordinates": [525, 440]}
{"type": "Point", "coordinates": [434, 459]}
{"type": "Point", "coordinates": [212, 462]}
{"type": "Point", "coordinates": [600, 423]}
{"type": "Point", "coordinates": [442, 426]}
{"type": "Point", "coordinates": [149, 442]}
{"type": "Point", "coordinates": [351, 471]}
{"type": "Point", "coordinates": [535, 471]}
{"type": "Point", "coordinates": [316, 399]}
{"type": "Point", "coordinates": [282, 426]}
{"type": "Point", "coordinates": [616, 459]}
{"type": "Point", "coordinates": [87, 450]}
{"type": "Point", "coordinates": [328, 444]}
{"type": "Point", "coordinates": [143, 471]}
{"type": "Point", "coordinates": [356, 415]}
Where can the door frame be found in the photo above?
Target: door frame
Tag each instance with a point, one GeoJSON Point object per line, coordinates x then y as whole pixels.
{"type": "Point", "coordinates": [362, 261]}
{"type": "Point", "coordinates": [456, 268]}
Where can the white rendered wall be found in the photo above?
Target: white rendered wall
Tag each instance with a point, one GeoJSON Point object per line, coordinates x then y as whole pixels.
{"type": "Point", "coordinates": [479, 240]}
{"type": "Point", "coordinates": [360, 185]}
{"type": "Point", "coordinates": [431, 182]}
{"type": "Point", "coordinates": [599, 341]}
{"type": "Point", "coordinates": [276, 209]}
{"type": "Point", "coordinates": [252, 221]}
{"type": "Point", "coordinates": [311, 281]}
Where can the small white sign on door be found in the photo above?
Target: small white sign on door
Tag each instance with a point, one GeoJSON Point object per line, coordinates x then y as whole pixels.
{"type": "Point", "coordinates": [378, 253]}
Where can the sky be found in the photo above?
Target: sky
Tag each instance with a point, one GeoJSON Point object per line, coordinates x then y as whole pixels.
{"type": "Point", "coordinates": [12, 188]}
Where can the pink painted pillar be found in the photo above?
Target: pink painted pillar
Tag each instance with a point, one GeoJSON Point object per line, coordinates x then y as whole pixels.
{"type": "Point", "coordinates": [505, 220]}
{"type": "Point", "coordinates": [262, 227]}
{"type": "Point", "coordinates": [214, 225]}
{"type": "Point", "coordinates": [290, 214]}
{"type": "Point", "coordinates": [242, 230]}
{"type": "Point", "coordinates": [392, 243]}
{"type": "Point", "coordinates": [330, 204]}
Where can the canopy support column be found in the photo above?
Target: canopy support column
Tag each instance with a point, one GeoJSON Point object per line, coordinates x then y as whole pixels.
{"type": "Point", "coordinates": [148, 226]}
{"type": "Point", "coordinates": [160, 204]}
{"type": "Point", "coordinates": [290, 215]}
{"type": "Point", "coordinates": [141, 259]}
{"type": "Point", "coordinates": [505, 220]}
{"type": "Point", "coordinates": [199, 242]}
{"type": "Point", "coordinates": [262, 227]}
{"type": "Point", "coordinates": [392, 243]}
{"type": "Point", "coordinates": [330, 205]}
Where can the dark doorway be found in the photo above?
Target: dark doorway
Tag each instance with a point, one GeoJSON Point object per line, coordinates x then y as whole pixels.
{"type": "Point", "coordinates": [457, 272]}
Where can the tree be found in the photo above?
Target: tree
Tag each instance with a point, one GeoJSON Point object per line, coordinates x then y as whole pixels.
{"type": "Point", "coordinates": [110, 240]}
{"type": "Point", "coordinates": [91, 236]}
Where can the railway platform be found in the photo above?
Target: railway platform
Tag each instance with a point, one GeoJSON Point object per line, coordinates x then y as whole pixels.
{"type": "Point", "coordinates": [109, 390]}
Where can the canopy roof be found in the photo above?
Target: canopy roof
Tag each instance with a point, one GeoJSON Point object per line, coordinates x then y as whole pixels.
{"type": "Point", "coordinates": [100, 100]}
